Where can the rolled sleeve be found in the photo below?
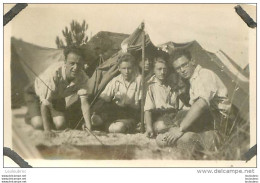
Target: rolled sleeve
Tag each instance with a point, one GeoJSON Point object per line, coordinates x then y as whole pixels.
{"type": "Point", "coordinates": [82, 93]}
{"type": "Point", "coordinates": [44, 89]}
{"type": "Point", "coordinates": [108, 92]}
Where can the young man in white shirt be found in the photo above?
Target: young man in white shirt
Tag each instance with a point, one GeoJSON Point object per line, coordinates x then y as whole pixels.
{"type": "Point", "coordinates": [161, 102]}
{"type": "Point", "coordinates": [119, 103]}
{"type": "Point", "coordinates": [208, 103]}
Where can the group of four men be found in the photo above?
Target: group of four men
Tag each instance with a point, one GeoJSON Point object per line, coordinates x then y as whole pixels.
{"type": "Point", "coordinates": [167, 115]}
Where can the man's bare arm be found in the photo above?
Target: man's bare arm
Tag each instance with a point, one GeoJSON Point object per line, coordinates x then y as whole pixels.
{"type": "Point", "coordinates": [149, 123]}
{"type": "Point", "coordinates": [46, 117]}
{"type": "Point", "coordinates": [85, 111]}
{"type": "Point", "coordinates": [193, 114]}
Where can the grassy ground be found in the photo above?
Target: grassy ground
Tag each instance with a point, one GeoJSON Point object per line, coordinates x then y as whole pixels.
{"type": "Point", "coordinates": [76, 144]}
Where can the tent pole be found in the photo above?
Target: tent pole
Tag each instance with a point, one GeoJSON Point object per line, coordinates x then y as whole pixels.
{"type": "Point", "coordinates": [143, 82]}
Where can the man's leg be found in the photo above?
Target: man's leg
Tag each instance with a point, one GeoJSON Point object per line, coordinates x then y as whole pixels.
{"type": "Point", "coordinates": [203, 123]}
{"type": "Point", "coordinates": [160, 127]}
{"type": "Point", "coordinates": [125, 122]}
{"type": "Point", "coordinates": [37, 122]}
{"type": "Point", "coordinates": [58, 114]}
{"type": "Point", "coordinates": [74, 114]}
{"type": "Point", "coordinates": [210, 140]}
{"type": "Point", "coordinates": [104, 114]}
{"type": "Point", "coordinates": [163, 121]}
{"type": "Point", "coordinates": [101, 113]}
{"type": "Point", "coordinates": [188, 140]}
{"type": "Point", "coordinates": [122, 126]}
{"type": "Point", "coordinates": [59, 122]}
{"type": "Point", "coordinates": [33, 115]}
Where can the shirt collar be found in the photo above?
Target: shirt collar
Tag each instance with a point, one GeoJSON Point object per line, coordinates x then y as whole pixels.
{"type": "Point", "coordinates": [121, 79]}
{"type": "Point", "coordinates": [196, 72]}
{"type": "Point", "coordinates": [154, 79]}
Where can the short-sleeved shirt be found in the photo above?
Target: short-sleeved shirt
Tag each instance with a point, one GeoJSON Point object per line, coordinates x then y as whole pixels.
{"type": "Point", "coordinates": [52, 84]}
{"type": "Point", "coordinates": [207, 85]}
{"type": "Point", "coordinates": [160, 96]}
{"type": "Point", "coordinates": [122, 94]}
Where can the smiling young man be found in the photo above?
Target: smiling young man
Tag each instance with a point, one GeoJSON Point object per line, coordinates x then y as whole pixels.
{"type": "Point", "coordinates": [46, 98]}
{"type": "Point", "coordinates": [120, 101]}
{"type": "Point", "coordinates": [209, 104]}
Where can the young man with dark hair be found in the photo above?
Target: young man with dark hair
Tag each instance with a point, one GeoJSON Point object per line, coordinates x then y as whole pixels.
{"type": "Point", "coordinates": [209, 104]}
{"type": "Point", "coordinates": [46, 98]}
{"type": "Point", "coordinates": [120, 101]}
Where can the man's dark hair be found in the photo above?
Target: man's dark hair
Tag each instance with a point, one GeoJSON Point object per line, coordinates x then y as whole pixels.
{"type": "Point", "coordinates": [179, 53]}
{"type": "Point", "coordinates": [126, 57]}
{"type": "Point", "coordinates": [73, 49]}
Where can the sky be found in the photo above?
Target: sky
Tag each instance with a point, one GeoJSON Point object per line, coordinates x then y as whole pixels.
{"type": "Point", "coordinates": [214, 26]}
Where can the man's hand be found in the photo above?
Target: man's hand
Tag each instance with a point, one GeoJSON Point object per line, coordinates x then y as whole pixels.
{"type": "Point", "coordinates": [149, 133]}
{"type": "Point", "coordinates": [173, 136]}
{"type": "Point", "coordinates": [49, 134]}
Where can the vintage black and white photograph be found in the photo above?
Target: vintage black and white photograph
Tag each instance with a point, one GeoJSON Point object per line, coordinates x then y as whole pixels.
{"type": "Point", "coordinates": [130, 82]}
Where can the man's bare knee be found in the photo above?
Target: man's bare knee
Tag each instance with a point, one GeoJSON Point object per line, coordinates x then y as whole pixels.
{"type": "Point", "coordinates": [59, 122]}
{"type": "Point", "coordinates": [36, 122]}
{"type": "Point", "coordinates": [159, 127]}
{"type": "Point", "coordinates": [117, 127]}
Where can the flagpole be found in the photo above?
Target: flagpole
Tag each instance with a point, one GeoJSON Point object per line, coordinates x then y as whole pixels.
{"type": "Point", "coordinates": [143, 78]}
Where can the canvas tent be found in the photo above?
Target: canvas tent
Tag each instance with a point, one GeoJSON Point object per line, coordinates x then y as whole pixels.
{"type": "Point", "coordinates": [235, 78]}
{"type": "Point", "coordinates": [106, 71]}
{"type": "Point", "coordinates": [38, 58]}
{"type": "Point", "coordinates": [103, 45]}
{"type": "Point", "coordinates": [29, 60]}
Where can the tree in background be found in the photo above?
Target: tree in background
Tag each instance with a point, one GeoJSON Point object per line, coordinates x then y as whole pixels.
{"type": "Point", "coordinates": [76, 36]}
